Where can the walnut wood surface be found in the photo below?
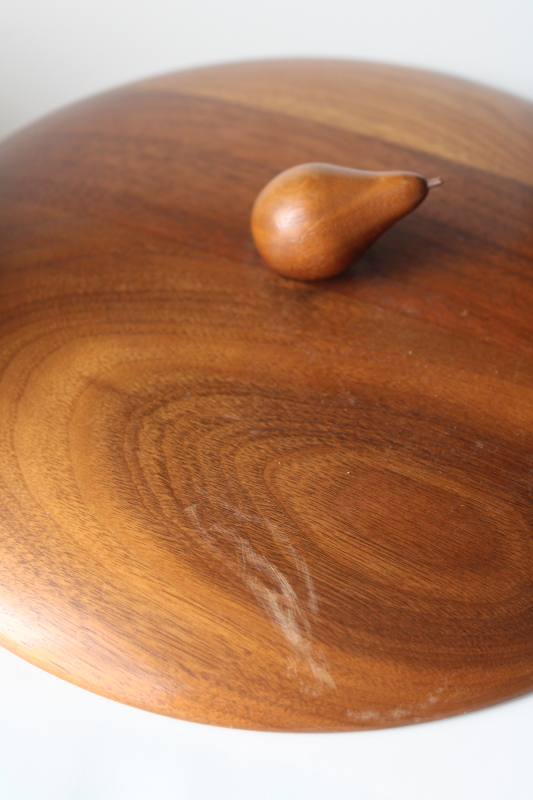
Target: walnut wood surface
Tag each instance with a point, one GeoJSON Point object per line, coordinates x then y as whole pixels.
{"type": "Point", "coordinates": [243, 500]}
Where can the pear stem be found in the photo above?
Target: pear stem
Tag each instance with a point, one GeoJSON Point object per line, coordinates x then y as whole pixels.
{"type": "Point", "coordinates": [434, 182]}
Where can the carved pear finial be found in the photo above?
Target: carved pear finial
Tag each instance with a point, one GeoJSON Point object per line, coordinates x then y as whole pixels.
{"type": "Point", "coordinates": [314, 220]}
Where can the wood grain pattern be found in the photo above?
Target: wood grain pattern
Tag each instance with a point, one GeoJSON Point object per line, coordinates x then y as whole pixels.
{"type": "Point", "coordinates": [436, 114]}
{"type": "Point", "coordinates": [243, 500]}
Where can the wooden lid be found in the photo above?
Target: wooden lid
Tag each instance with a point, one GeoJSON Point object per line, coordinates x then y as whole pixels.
{"type": "Point", "coordinates": [238, 499]}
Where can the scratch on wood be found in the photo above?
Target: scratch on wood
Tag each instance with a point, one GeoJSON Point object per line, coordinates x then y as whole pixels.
{"type": "Point", "coordinates": [271, 588]}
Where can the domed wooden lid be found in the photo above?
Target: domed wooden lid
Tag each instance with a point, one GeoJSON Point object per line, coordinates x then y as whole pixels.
{"type": "Point", "coordinates": [238, 499]}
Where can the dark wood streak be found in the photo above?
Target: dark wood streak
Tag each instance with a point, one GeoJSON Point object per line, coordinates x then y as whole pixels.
{"type": "Point", "coordinates": [243, 500]}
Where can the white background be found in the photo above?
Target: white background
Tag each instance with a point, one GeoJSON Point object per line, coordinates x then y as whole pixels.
{"type": "Point", "coordinates": [53, 52]}
{"type": "Point", "coordinates": [58, 742]}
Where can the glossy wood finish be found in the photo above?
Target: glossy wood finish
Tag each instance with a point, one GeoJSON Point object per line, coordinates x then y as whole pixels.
{"type": "Point", "coordinates": [244, 500]}
{"type": "Point", "coordinates": [313, 221]}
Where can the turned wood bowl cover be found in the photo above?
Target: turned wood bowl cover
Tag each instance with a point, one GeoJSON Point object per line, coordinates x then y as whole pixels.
{"type": "Point", "coordinates": [244, 500]}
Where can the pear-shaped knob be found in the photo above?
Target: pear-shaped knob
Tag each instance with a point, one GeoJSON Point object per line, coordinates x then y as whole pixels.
{"type": "Point", "coordinates": [314, 220]}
